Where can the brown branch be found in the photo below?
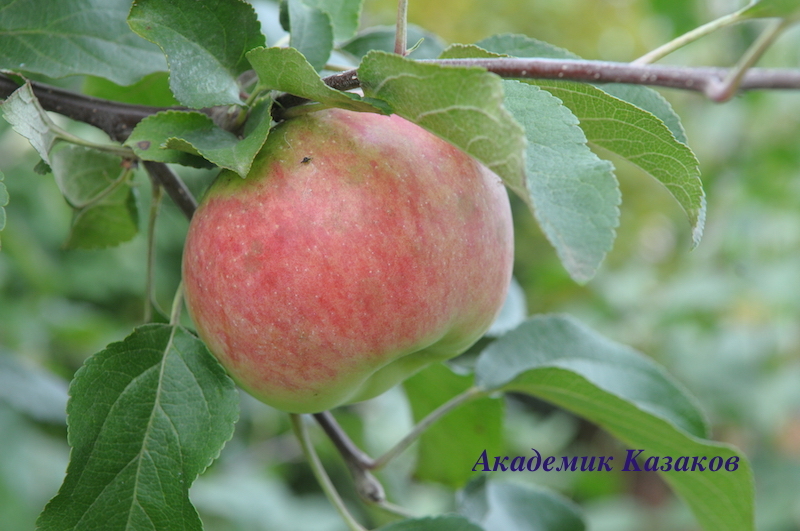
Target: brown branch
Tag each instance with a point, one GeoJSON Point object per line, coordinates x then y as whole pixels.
{"type": "Point", "coordinates": [174, 186]}
{"type": "Point", "coordinates": [700, 79]}
{"type": "Point", "coordinates": [118, 119]}
{"type": "Point", "coordinates": [343, 443]}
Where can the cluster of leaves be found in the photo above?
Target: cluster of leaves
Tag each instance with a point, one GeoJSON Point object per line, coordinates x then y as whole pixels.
{"type": "Point", "coordinates": [141, 437]}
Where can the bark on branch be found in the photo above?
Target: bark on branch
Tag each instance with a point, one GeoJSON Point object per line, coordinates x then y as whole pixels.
{"type": "Point", "coordinates": [118, 119]}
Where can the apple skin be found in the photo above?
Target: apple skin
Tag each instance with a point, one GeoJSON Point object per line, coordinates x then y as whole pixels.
{"type": "Point", "coordinates": [359, 249]}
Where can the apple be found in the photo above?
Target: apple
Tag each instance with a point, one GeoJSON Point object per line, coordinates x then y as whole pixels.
{"type": "Point", "coordinates": [359, 249]}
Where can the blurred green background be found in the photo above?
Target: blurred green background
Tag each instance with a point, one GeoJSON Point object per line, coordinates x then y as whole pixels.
{"type": "Point", "coordinates": [724, 319]}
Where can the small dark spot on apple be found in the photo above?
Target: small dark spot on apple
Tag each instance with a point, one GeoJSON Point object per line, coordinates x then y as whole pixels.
{"type": "Point", "coordinates": [305, 160]}
{"type": "Point", "coordinates": [143, 145]}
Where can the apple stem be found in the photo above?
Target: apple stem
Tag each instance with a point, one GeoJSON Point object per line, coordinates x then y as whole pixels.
{"type": "Point", "coordinates": [468, 395]}
{"type": "Point", "coordinates": [401, 37]}
{"type": "Point", "coordinates": [299, 428]}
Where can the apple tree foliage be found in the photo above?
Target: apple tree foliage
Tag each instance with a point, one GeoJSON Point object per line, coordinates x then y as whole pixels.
{"type": "Point", "coordinates": [150, 412]}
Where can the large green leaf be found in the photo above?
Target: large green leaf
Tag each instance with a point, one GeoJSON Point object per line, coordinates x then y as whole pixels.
{"type": "Point", "coordinates": [557, 359]}
{"type": "Point", "coordinates": [69, 37]}
{"type": "Point", "coordinates": [146, 416]}
{"type": "Point", "coordinates": [311, 31]}
{"type": "Point", "coordinates": [632, 121]}
{"type": "Point", "coordinates": [644, 97]}
{"type": "Point", "coordinates": [205, 44]}
{"type": "Point", "coordinates": [435, 98]}
{"type": "Point", "coordinates": [574, 193]}
{"type": "Point", "coordinates": [286, 70]}
{"type": "Point", "coordinates": [479, 423]}
{"type": "Point", "coordinates": [642, 139]}
{"type": "Point", "coordinates": [344, 15]}
{"type": "Point", "coordinates": [502, 506]}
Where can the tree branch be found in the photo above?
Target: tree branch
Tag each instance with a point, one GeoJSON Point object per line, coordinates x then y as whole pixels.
{"type": "Point", "coordinates": [174, 186]}
{"type": "Point", "coordinates": [699, 79]}
{"type": "Point", "coordinates": [118, 119]}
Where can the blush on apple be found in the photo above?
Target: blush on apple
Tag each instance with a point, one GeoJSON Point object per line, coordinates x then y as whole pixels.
{"type": "Point", "coordinates": [359, 249]}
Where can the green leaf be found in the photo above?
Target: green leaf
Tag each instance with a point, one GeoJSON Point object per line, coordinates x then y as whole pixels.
{"type": "Point", "coordinates": [71, 37]}
{"type": "Point", "coordinates": [146, 416]}
{"type": "Point", "coordinates": [557, 359]}
{"type": "Point", "coordinates": [639, 95]}
{"type": "Point", "coordinates": [181, 136]}
{"type": "Point", "coordinates": [479, 424]}
{"type": "Point", "coordinates": [344, 15]}
{"type": "Point", "coordinates": [632, 121]}
{"type": "Point", "coordinates": [149, 138]}
{"type": "Point", "coordinates": [205, 44]}
{"type": "Point", "coordinates": [642, 139]}
{"type": "Point", "coordinates": [286, 70]}
{"type": "Point", "coordinates": [105, 223]}
{"type": "Point", "coordinates": [433, 97]}
{"type": "Point", "coordinates": [311, 32]}
{"type": "Point", "coordinates": [789, 9]}
{"type": "Point", "coordinates": [23, 111]}
{"type": "Point", "coordinates": [96, 186]}
{"type": "Point", "coordinates": [382, 38]}
{"type": "Point", "coordinates": [84, 174]}
{"type": "Point", "coordinates": [502, 506]}
{"type": "Point", "coordinates": [651, 101]}
{"type": "Point", "coordinates": [436, 523]}
{"type": "Point", "coordinates": [574, 193]}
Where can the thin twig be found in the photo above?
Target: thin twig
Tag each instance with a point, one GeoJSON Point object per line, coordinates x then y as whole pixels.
{"type": "Point", "coordinates": [468, 395]}
{"type": "Point", "coordinates": [728, 88]}
{"type": "Point", "coordinates": [319, 472]}
{"type": "Point", "coordinates": [358, 463]}
{"type": "Point", "coordinates": [342, 441]}
{"type": "Point", "coordinates": [401, 32]}
{"type": "Point", "coordinates": [688, 37]}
